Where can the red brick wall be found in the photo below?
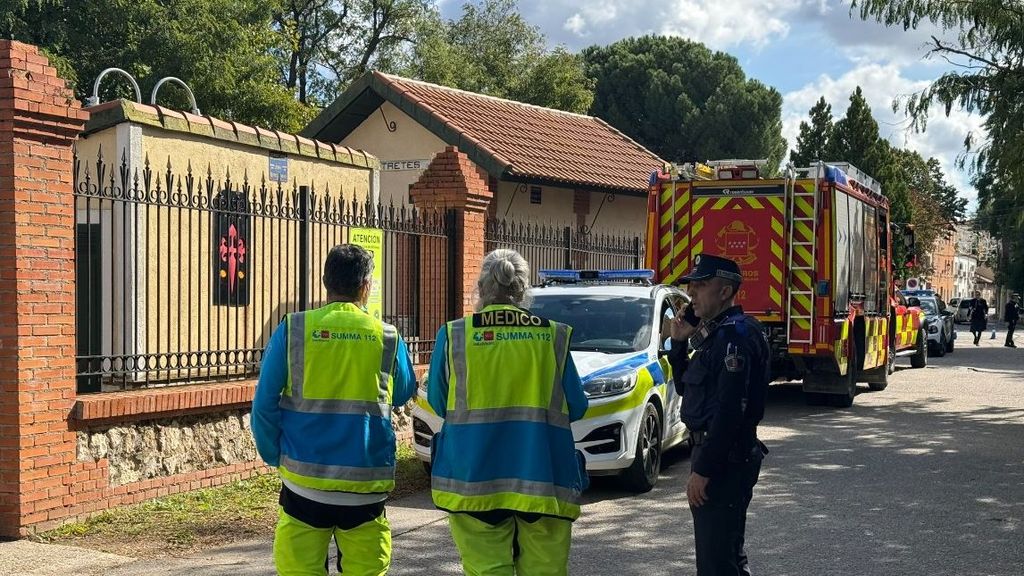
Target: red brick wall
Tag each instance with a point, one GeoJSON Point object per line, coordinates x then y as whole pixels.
{"type": "Point", "coordinates": [453, 181]}
{"type": "Point", "coordinates": [39, 121]}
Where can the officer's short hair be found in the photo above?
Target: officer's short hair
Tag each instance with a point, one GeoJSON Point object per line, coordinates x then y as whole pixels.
{"type": "Point", "coordinates": [504, 279]}
{"type": "Point", "coordinates": [347, 268]}
{"type": "Point", "coordinates": [735, 285]}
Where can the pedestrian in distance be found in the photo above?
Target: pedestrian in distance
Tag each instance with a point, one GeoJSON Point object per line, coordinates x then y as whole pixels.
{"type": "Point", "coordinates": [504, 463]}
{"type": "Point", "coordinates": [723, 387]}
{"type": "Point", "coordinates": [979, 317]}
{"type": "Point", "coordinates": [1012, 315]}
{"type": "Point", "coordinates": [322, 416]}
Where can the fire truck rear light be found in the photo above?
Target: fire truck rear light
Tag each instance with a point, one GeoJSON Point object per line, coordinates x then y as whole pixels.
{"type": "Point", "coordinates": [725, 174]}
{"type": "Point", "coordinates": [748, 174]}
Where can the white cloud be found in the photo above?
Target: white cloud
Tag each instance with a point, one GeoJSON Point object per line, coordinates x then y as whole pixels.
{"type": "Point", "coordinates": [882, 84]}
{"type": "Point", "coordinates": [720, 24]}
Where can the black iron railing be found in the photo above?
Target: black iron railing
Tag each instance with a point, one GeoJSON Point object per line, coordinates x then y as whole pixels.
{"type": "Point", "coordinates": [550, 246]}
{"type": "Point", "coordinates": [182, 276]}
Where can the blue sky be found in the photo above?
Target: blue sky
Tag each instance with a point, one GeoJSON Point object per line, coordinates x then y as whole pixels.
{"type": "Point", "coordinates": [804, 48]}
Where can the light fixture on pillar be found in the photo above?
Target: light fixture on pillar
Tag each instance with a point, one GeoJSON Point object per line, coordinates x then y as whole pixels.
{"type": "Point", "coordinates": [178, 81]}
{"type": "Point", "coordinates": [94, 100]}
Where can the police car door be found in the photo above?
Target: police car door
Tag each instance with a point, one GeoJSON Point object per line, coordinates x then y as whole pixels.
{"type": "Point", "coordinates": [670, 305]}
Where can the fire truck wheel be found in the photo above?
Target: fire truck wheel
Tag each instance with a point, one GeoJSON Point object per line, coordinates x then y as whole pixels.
{"type": "Point", "coordinates": [920, 358]}
{"type": "Point", "coordinates": [845, 398]}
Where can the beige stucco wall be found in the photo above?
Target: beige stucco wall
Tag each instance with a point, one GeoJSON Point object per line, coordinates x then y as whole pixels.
{"type": "Point", "coordinates": [623, 215]}
{"type": "Point", "coordinates": [409, 141]}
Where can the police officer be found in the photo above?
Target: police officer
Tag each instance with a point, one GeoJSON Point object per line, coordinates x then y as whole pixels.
{"type": "Point", "coordinates": [504, 463]}
{"type": "Point", "coordinates": [1012, 315]}
{"type": "Point", "coordinates": [322, 416]}
{"type": "Point", "coordinates": [723, 389]}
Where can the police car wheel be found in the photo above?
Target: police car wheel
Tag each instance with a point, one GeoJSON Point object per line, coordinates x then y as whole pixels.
{"type": "Point", "coordinates": [642, 475]}
{"type": "Point", "coordinates": [920, 358]}
{"type": "Point", "coordinates": [950, 344]}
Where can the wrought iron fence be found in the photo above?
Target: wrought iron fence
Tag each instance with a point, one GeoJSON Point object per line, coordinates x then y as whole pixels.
{"type": "Point", "coordinates": [550, 246]}
{"type": "Point", "coordinates": [183, 276]}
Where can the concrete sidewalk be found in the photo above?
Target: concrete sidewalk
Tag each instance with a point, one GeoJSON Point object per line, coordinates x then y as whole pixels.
{"type": "Point", "coordinates": [246, 558]}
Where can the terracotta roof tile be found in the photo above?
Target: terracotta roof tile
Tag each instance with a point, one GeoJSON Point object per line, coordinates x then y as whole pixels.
{"type": "Point", "coordinates": [536, 142]}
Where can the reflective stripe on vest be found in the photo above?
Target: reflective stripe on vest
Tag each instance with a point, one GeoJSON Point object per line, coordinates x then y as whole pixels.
{"type": "Point", "coordinates": [353, 473]}
{"type": "Point", "coordinates": [554, 414]}
{"type": "Point", "coordinates": [515, 485]}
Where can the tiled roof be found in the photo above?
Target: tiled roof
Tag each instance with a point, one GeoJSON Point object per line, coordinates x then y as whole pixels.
{"type": "Point", "coordinates": [514, 140]}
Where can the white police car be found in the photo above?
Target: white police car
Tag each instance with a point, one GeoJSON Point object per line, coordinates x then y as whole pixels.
{"type": "Point", "coordinates": [633, 416]}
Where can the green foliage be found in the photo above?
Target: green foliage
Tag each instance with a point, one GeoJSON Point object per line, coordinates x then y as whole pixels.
{"type": "Point", "coordinates": [221, 48]}
{"type": "Point", "coordinates": [684, 101]}
{"type": "Point", "coordinates": [988, 80]}
{"type": "Point", "coordinates": [328, 43]}
{"type": "Point", "coordinates": [492, 50]}
{"type": "Point", "coordinates": [814, 139]}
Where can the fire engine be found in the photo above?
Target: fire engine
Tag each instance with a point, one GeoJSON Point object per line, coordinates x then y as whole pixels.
{"type": "Point", "coordinates": [815, 248]}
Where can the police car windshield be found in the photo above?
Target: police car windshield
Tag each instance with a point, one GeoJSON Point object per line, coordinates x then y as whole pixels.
{"type": "Point", "coordinates": [609, 324]}
{"type": "Point", "coordinates": [928, 305]}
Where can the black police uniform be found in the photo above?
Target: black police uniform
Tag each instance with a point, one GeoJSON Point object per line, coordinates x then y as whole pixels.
{"type": "Point", "coordinates": [1012, 316]}
{"type": "Point", "coordinates": [723, 388]}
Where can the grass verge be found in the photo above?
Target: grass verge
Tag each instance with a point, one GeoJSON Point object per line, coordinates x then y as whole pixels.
{"type": "Point", "coordinates": [204, 518]}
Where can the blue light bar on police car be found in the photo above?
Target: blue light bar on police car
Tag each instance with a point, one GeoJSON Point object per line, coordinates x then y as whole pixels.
{"type": "Point", "coordinates": [577, 275]}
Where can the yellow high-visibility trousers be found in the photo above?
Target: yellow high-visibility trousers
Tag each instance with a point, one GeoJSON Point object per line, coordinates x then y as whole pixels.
{"type": "Point", "coordinates": [300, 549]}
{"type": "Point", "coordinates": [487, 550]}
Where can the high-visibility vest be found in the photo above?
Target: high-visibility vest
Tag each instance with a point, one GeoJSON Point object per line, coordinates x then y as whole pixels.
{"type": "Point", "coordinates": [506, 441]}
{"type": "Point", "coordinates": [336, 405]}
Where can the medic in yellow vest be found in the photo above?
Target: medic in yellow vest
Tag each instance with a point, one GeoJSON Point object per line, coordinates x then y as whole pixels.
{"type": "Point", "coordinates": [504, 463]}
{"type": "Point", "coordinates": [322, 416]}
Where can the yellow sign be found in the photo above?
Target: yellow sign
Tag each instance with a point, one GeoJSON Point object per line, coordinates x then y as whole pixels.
{"type": "Point", "coordinates": [373, 240]}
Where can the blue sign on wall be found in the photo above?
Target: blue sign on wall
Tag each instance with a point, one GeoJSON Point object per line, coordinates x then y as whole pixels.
{"type": "Point", "coordinates": [278, 169]}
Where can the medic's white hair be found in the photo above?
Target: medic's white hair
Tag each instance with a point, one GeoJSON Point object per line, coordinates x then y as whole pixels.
{"type": "Point", "coordinates": [504, 279]}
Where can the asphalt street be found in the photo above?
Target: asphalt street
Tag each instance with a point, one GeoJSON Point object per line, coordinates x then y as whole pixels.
{"type": "Point", "coordinates": [926, 477]}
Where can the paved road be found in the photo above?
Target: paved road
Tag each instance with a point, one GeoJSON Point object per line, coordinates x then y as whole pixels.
{"type": "Point", "coordinates": [926, 477]}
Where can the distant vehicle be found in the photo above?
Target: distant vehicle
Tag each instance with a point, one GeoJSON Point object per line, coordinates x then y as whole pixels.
{"type": "Point", "coordinates": [962, 314]}
{"type": "Point", "coordinates": [938, 320]}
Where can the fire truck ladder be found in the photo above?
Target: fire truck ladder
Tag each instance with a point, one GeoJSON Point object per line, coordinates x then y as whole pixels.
{"type": "Point", "coordinates": [796, 315]}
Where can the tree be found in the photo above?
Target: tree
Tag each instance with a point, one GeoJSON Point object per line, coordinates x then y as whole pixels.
{"type": "Point", "coordinates": [814, 141]}
{"type": "Point", "coordinates": [492, 50]}
{"type": "Point", "coordinates": [684, 101]}
{"type": "Point", "coordinates": [327, 43]}
{"type": "Point", "coordinates": [221, 48]}
{"type": "Point", "coordinates": [951, 204]}
{"type": "Point", "coordinates": [987, 78]}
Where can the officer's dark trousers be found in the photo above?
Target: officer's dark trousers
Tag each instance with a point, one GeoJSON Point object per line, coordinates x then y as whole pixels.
{"type": "Point", "coordinates": [1010, 326]}
{"type": "Point", "coordinates": [719, 525]}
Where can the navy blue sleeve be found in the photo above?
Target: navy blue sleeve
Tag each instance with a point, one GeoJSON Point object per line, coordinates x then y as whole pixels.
{"type": "Point", "coordinates": [437, 380]}
{"type": "Point", "coordinates": [405, 376]}
{"type": "Point", "coordinates": [266, 415]}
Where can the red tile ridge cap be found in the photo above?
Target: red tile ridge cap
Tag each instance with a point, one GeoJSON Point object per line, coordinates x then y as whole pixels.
{"type": "Point", "coordinates": [392, 79]}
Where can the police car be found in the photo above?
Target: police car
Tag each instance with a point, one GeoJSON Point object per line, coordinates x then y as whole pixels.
{"type": "Point", "coordinates": [633, 416]}
{"type": "Point", "coordinates": [939, 321]}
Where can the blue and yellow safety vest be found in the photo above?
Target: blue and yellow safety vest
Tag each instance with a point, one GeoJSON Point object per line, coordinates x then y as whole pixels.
{"type": "Point", "coordinates": [336, 406]}
{"type": "Point", "coordinates": [506, 442]}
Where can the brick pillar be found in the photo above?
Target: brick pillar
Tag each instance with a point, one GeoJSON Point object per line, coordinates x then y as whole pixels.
{"type": "Point", "coordinates": [39, 120]}
{"type": "Point", "coordinates": [453, 181]}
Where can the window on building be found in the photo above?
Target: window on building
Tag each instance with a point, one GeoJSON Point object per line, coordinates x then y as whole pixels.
{"type": "Point", "coordinates": [535, 194]}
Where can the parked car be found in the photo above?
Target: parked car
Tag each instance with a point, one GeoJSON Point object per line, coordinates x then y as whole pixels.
{"type": "Point", "coordinates": [962, 311]}
{"type": "Point", "coordinates": [634, 408]}
{"type": "Point", "coordinates": [938, 320]}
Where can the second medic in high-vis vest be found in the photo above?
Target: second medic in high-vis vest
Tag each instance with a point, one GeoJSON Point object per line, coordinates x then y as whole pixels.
{"type": "Point", "coordinates": [504, 463]}
{"type": "Point", "coordinates": [322, 416]}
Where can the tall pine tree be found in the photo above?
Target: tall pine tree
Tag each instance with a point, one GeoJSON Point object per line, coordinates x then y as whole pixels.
{"type": "Point", "coordinates": [815, 138]}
